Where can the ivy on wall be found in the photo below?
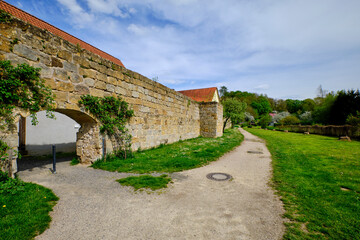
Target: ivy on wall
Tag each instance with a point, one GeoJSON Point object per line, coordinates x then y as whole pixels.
{"type": "Point", "coordinates": [21, 87]}
{"type": "Point", "coordinates": [4, 17]}
{"type": "Point", "coordinates": [113, 114]}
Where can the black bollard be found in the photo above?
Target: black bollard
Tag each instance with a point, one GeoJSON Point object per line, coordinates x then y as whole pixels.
{"type": "Point", "coordinates": [54, 158]}
{"type": "Point", "coordinates": [104, 147]}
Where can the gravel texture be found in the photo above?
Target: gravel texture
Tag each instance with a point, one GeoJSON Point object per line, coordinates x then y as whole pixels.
{"type": "Point", "coordinates": [93, 205]}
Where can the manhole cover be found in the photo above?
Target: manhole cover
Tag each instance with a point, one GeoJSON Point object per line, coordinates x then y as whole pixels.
{"type": "Point", "coordinates": [218, 176]}
{"type": "Point", "coordinates": [255, 152]}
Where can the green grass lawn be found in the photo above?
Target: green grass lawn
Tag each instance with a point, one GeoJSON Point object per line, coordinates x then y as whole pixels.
{"type": "Point", "coordinates": [318, 179]}
{"type": "Point", "coordinates": [146, 181]}
{"type": "Point", "coordinates": [175, 157]}
{"type": "Point", "coordinates": [24, 209]}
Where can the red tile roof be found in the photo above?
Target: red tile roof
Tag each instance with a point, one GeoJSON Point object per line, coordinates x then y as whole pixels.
{"type": "Point", "coordinates": [18, 13]}
{"type": "Point", "coordinates": [200, 95]}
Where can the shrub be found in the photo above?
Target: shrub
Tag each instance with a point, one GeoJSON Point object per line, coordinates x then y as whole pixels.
{"type": "Point", "coordinates": [265, 120]}
{"type": "Point", "coordinates": [280, 116]}
{"type": "Point", "coordinates": [306, 118]}
{"type": "Point", "coordinates": [290, 120]}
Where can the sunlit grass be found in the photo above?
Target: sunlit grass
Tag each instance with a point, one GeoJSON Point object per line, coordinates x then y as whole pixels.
{"type": "Point", "coordinates": [318, 179]}
{"type": "Point", "coordinates": [175, 157]}
{"type": "Point", "coordinates": [24, 209]}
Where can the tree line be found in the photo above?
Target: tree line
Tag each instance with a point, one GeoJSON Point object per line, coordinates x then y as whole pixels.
{"type": "Point", "coordinates": [327, 108]}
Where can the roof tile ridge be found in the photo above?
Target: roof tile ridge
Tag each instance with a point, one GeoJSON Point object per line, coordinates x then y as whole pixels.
{"type": "Point", "coordinates": [26, 13]}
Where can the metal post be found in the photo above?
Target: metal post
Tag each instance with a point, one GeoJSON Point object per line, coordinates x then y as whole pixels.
{"type": "Point", "coordinates": [54, 158]}
{"type": "Point", "coordinates": [104, 147]}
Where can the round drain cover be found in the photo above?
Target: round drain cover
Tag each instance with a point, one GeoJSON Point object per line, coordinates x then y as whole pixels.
{"type": "Point", "coordinates": [255, 152]}
{"type": "Point", "coordinates": [218, 176]}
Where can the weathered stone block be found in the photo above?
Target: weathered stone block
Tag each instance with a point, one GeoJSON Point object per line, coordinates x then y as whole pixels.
{"type": "Point", "coordinates": [69, 67]}
{"type": "Point", "coordinates": [89, 82]}
{"type": "Point", "coordinates": [110, 87]}
{"type": "Point", "coordinates": [55, 62]}
{"type": "Point", "coordinates": [64, 54]}
{"type": "Point", "coordinates": [75, 78]}
{"type": "Point", "coordinates": [82, 89]}
{"type": "Point", "coordinates": [65, 86]}
{"type": "Point", "coordinates": [26, 52]}
{"type": "Point", "coordinates": [100, 85]}
{"type": "Point", "coordinates": [60, 74]}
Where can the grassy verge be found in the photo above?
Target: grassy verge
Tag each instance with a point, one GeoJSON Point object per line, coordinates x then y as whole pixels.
{"type": "Point", "coordinates": [146, 181]}
{"type": "Point", "coordinates": [24, 208]}
{"type": "Point", "coordinates": [74, 161]}
{"type": "Point", "coordinates": [175, 157]}
{"type": "Point", "coordinates": [318, 179]}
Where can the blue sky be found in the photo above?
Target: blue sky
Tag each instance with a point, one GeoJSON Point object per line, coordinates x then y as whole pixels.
{"type": "Point", "coordinates": [283, 48]}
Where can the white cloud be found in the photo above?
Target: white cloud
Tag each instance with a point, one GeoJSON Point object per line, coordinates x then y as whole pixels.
{"type": "Point", "coordinates": [80, 17]}
{"type": "Point", "coordinates": [292, 46]}
{"type": "Point", "coordinates": [262, 87]}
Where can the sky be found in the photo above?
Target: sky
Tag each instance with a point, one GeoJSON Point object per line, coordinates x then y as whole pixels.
{"type": "Point", "coordinates": [283, 48]}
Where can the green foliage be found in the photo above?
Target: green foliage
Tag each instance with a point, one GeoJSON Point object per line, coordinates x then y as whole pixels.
{"type": "Point", "coordinates": [74, 161]}
{"type": "Point", "coordinates": [354, 120]}
{"type": "Point", "coordinates": [318, 179]}
{"type": "Point", "coordinates": [322, 112]}
{"type": "Point", "coordinates": [5, 17]}
{"type": "Point", "coordinates": [223, 91]}
{"type": "Point", "coordinates": [9, 185]}
{"type": "Point", "coordinates": [24, 209]}
{"type": "Point", "coordinates": [346, 103]}
{"type": "Point", "coordinates": [234, 110]}
{"type": "Point", "coordinates": [308, 105]}
{"type": "Point", "coordinates": [293, 106]}
{"type": "Point", "coordinates": [289, 120]}
{"type": "Point", "coordinates": [146, 181]}
{"type": "Point", "coordinates": [22, 87]}
{"type": "Point", "coordinates": [265, 120]}
{"type": "Point", "coordinates": [113, 114]}
{"type": "Point", "coordinates": [175, 157]}
{"type": "Point", "coordinates": [262, 105]}
{"type": "Point", "coordinates": [3, 150]}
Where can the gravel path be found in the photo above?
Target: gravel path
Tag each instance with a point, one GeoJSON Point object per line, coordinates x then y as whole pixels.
{"type": "Point", "coordinates": [93, 206]}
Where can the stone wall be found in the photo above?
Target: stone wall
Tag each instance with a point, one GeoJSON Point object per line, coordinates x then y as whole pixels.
{"type": "Point", "coordinates": [211, 119]}
{"type": "Point", "coordinates": [330, 130]}
{"type": "Point", "coordinates": [162, 115]}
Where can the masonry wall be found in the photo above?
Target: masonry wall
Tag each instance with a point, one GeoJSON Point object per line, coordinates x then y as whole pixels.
{"type": "Point", "coordinates": [162, 115]}
{"type": "Point", "coordinates": [211, 119]}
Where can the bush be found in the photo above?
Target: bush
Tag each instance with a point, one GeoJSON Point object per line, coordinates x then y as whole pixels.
{"type": "Point", "coordinates": [289, 120]}
{"type": "Point", "coordinates": [265, 120]}
{"type": "Point", "coordinates": [306, 118]}
{"type": "Point", "coordinates": [353, 120]}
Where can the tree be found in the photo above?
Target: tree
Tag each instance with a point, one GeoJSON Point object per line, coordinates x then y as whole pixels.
{"type": "Point", "coordinates": [308, 105]}
{"type": "Point", "coordinates": [293, 106]}
{"type": "Point", "coordinates": [234, 110]}
{"type": "Point", "coordinates": [289, 120]}
{"type": "Point", "coordinates": [322, 111]}
{"type": "Point", "coordinates": [262, 105]}
{"type": "Point", "coordinates": [223, 91]}
{"type": "Point", "coordinates": [346, 103]}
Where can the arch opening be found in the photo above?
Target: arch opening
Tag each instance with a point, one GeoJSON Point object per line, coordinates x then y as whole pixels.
{"type": "Point", "coordinates": [74, 133]}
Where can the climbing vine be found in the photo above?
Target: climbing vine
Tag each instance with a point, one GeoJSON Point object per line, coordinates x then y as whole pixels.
{"type": "Point", "coordinates": [113, 114]}
{"type": "Point", "coordinates": [21, 87]}
{"type": "Point", "coordinates": [4, 17]}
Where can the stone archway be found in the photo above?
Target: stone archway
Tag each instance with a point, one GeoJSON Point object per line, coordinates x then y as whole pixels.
{"type": "Point", "coordinates": [88, 139]}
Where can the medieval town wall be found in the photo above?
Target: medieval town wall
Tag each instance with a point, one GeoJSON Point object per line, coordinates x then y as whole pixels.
{"type": "Point", "coordinates": [162, 115]}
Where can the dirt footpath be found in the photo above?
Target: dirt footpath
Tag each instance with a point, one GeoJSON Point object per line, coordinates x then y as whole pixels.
{"type": "Point", "coordinates": [93, 206]}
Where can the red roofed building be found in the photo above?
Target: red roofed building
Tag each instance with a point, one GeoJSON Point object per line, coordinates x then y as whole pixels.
{"type": "Point", "coordinates": [203, 94]}
{"type": "Point", "coordinates": [18, 13]}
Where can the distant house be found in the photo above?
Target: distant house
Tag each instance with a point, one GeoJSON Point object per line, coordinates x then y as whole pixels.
{"type": "Point", "coordinates": [203, 94]}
